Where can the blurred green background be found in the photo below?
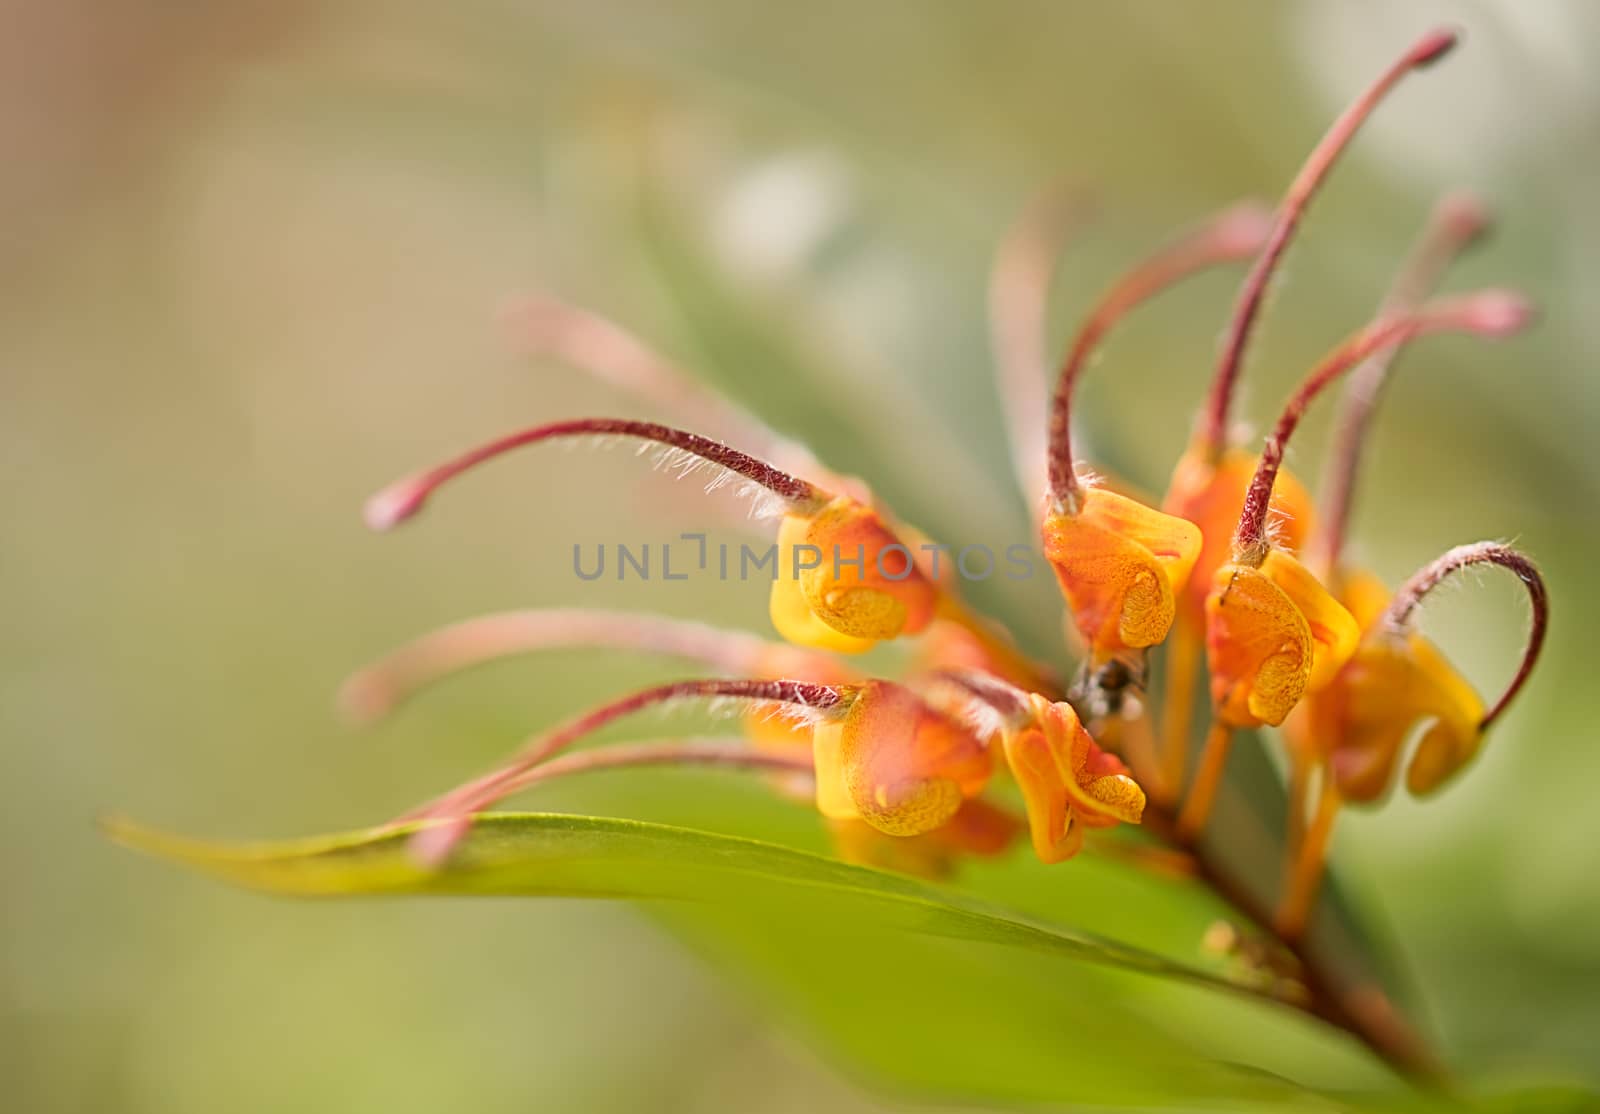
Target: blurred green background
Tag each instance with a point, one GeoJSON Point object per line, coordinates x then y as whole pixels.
{"type": "Point", "coordinates": [251, 254]}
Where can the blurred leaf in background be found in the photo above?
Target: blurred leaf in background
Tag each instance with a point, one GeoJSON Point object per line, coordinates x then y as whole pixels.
{"type": "Point", "coordinates": [252, 258]}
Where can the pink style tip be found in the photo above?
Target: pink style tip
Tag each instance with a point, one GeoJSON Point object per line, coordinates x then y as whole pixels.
{"type": "Point", "coordinates": [1500, 313]}
{"type": "Point", "coordinates": [393, 505]}
{"type": "Point", "coordinates": [1465, 215]}
{"type": "Point", "coordinates": [1434, 46]}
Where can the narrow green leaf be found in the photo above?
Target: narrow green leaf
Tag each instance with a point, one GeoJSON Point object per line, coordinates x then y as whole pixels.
{"type": "Point", "coordinates": [537, 854]}
{"type": "Point", "coordinates": [887, 970]}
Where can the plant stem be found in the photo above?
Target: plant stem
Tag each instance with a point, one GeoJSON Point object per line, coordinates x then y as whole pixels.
{"type": "Point", "coordinates": [1203, 793]}
{"type": "Point", "coordinates": [1365, 1012]}
{"type": "Point", "coordinates": [1307, 866]}
{"type": "Point", "coordinates": [1177, 708]}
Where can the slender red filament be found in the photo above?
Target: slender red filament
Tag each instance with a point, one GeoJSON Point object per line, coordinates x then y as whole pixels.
{"type": "Point", "coordinates": [399, 501]}
{"type": "Point", "coordinates": [484, 791]}
{"type": "Point", "coordinates": [1233, 235]}
{"type": "Point", "coordinates": [1427, 578]}
{"type": "Point", "coordinates": [1019, 303]}
{"type": "Point", "coordinates": [433, 843]}
{"type": "Point", "coordinates": [1488, 313]}
{"type": "Point", "coordinates": [1456, 223]}
{"type": "Point", "coordinates": [1213, 430]}
{"type": "Point", "coordinates": [375, 691]}
{"type": "Point", "coordinates": [674, 752]}
{"type": "Point", "coordinates": [998, 694]}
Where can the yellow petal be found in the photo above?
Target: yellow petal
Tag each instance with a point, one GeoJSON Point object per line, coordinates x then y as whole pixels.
{"type": "Point", "coordinates": [1258, 647]}
{"type": "Point", "coordinates": [1173, 541]}
{"type": "Point", "coordinates": [910, 807]}
{"type": "Point", "coordinates": [791, 614]}
{"type": "Point", "coordinates": [1364, 596]}
{"type": "Point", "coordinates": [1334, 633]}
{"type": "Point", "coordinates": [833, 798]}
{"type": "Point", "coordinates": [866, 584]}
{"type": "Point", "coordinates": [1097, 785]}
{"type": "Point", "coordinates": [1120, 564]}
{"type": "Point", "coordinates": [906, 767]}
{"type": "Point", "coordinates": [1044, 793]}
{"type": "Point", "coordinates": [1394, 684]}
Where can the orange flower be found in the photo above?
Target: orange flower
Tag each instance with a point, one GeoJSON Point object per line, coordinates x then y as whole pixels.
{"type": "Point", "coordinates": [1348, 735]}
{"type": "Point", "coordinates": [896, 763]}
{"type": "Point", "coordinates": [1272, 629]}
{"type": "Point", "coordinates": [901, 771]}
{"type": "Point", "coordinates": [1394, 682]}
{"type": "Point", "coordinates": [1067, 782]}
{"type": "Point", "coordinates": [1120, 563]}
{"type": "Point", "coordinates": [1209, 494]}
{"type": "Point", "coordinates": [1273, 632]}
{"type": "Point", "coordinates": [845, 581]}
{"type": "Point", "coordinates": [1208, 489]}
{"type": "Point", "coordinates": [1211, 478]}
{"type": "Point", "coordinates": [1353, 731]}
{"type": "Point", "coordinates": [1413, 676]}
{"type": "Point", "coordinates": [900, 775]}
{"type": "Point", "coordinates": [1398, 680]}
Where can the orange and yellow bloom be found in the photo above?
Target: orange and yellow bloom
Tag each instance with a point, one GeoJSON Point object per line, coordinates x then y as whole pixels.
{"type": "Point", "coordinates": [972, 743]}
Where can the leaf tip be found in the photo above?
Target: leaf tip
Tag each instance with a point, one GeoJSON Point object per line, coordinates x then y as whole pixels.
{"type": "Point", "coordinates": [127, 832]}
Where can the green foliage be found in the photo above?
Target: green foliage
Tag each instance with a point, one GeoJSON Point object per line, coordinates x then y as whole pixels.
{"type": "Point", "coordinates": [930, 988]}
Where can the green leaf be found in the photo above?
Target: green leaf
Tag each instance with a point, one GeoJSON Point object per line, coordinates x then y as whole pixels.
{"type": "Point", "coordinates": [889, 971]}
{"type": "Point", "coordinates": [581, 856]}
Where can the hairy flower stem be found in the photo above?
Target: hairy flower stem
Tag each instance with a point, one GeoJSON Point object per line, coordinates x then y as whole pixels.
{"type": "Point", "coordinates": [1019, 303]}
{"type": "Point", "coordinates": [433, 845]}
{"type": "Point", "coordinates": [1213, 429]}
{"type": "Point", "coordinates": [730, 753]}
{"type": "Point", "coordinates": [403, 499]}
{"type": "Point", "coordinates": [1233, 235]}
{"type": "Point", "coordinates": [1488, 313]}
{"type": "Point", "coordinates": [1427, 578]}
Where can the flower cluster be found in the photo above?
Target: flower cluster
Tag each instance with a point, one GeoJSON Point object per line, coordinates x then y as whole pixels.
{"type": "Point", "coordinates": [977, 744]}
